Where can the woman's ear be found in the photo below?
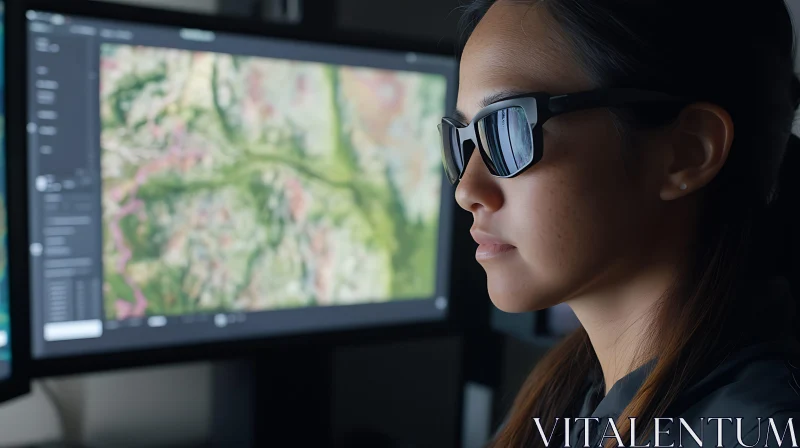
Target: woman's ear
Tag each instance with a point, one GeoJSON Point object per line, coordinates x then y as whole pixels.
{"type": "Point", "coordinates": [700, 141]}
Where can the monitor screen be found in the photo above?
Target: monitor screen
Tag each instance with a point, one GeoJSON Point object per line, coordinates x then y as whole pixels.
{"type": "Point", "coordinates": [5, 347]}
{"type": "Point", "coordinates": [189, 186]}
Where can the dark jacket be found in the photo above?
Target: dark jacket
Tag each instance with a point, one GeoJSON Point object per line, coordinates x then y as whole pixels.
{"type": "Point", "coordinates": [760, 381]}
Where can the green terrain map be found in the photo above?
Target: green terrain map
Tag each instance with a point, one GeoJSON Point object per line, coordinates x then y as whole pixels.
{"type": "Point", "coordinates": [237, 183]}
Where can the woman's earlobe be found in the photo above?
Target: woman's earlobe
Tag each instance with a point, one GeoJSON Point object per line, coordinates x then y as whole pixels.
{"type": "Point", "coordinates": [675, 191]}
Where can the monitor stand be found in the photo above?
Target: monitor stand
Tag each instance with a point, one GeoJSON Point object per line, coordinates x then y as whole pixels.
{"type": "Point", "coordinates": [282, 397]}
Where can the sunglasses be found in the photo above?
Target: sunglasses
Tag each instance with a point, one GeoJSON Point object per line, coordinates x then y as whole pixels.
{"type": "Point", "coordinates": [508, 133]}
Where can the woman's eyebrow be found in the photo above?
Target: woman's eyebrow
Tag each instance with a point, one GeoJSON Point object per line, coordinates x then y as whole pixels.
{"type": "Point", "coordinates": [491, 99]}
{"type": "Point", "coordinates": [460, 116]}
{"type": "Point", "coordinates": [500, 96]}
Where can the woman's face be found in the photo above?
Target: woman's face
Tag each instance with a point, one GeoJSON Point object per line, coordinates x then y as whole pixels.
{"type": "Point", "coordinates": [578, 220]}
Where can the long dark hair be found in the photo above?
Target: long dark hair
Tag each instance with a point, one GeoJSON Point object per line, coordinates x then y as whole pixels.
{"type": "Point", "coordinates": [739, 56]}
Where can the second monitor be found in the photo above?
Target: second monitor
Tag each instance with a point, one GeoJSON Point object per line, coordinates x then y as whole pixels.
{"type": "Point", "coordinates": [5, 315]}
{"type": "Point", "coordinates": [189, 185]}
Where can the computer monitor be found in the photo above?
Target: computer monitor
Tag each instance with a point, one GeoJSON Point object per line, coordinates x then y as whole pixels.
{"type": "Point", "coordinates": [5, 315]}
{"type": "Point", "coordinates": [189, 185]}
{"type": "Point", "coordinates": [14, 349]}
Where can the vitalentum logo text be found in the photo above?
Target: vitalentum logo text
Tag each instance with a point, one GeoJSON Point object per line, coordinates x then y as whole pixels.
{"type": "Point", "coordinates": [703, 432]}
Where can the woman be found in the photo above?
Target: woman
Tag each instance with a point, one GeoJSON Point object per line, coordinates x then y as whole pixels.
{"type": "Point", "coordinates": [627, 155]}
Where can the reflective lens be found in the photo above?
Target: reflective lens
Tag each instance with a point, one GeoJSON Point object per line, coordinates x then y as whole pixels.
{"type": "Point", "coordinates": [451, 151]}
{"type": "Point", "coordinates": [507, 141]}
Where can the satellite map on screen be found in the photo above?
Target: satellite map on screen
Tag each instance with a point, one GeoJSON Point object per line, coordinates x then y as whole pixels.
{"type": "Point", "coordinates": [238, 183]}
{"type": "Point", "coordinates": [5, 352]}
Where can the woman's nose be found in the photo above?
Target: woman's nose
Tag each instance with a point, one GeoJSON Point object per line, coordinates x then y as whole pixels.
{"type": "Point", "coordinates": [478, 189]}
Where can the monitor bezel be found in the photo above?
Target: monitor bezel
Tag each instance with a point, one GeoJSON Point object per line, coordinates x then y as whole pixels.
{"type": "Point", "coordinates": [16, 205]}
{"type": "Point", "coordinates": [459, 314]}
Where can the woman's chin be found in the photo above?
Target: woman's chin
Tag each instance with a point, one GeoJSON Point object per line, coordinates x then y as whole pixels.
{"type": "Point", "coordinates": [515, 296]}
{"type": "Point", "coordinates": [512, 300]}
{"type": "Point", "coordinates": [509, 305]}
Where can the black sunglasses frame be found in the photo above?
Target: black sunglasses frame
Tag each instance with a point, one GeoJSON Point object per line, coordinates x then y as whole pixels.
{"type": "Point", "coordinates": [539, 107]}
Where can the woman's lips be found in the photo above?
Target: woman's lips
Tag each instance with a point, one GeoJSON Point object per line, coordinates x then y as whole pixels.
{"type": "Point", "coordinates": [489, 251]}
{"type": "Point", "coordinates": [489, 246]}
